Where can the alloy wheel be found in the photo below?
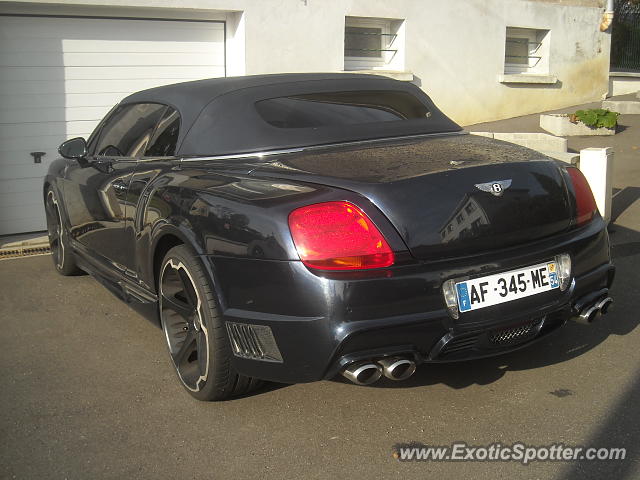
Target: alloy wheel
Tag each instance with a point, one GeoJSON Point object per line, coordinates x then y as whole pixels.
{"type": "Point", "coordinates": [54, 229]}
{"type": "Point", "coordinates": [183, 324]}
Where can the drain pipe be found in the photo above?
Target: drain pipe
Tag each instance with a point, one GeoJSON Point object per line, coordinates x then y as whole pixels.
{"type": "Point", "coordinates": [607, 18]}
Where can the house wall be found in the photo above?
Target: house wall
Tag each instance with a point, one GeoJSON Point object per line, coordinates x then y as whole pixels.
{"type": "Point", "coordinates": [455, 49]}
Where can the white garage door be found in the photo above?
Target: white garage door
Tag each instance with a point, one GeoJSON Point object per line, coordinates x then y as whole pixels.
{"type": "Point", "coordinates": [60, 76]}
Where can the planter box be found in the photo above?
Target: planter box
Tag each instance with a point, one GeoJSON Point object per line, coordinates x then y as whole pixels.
{"type": "Point", "coordinates": [559, 124]}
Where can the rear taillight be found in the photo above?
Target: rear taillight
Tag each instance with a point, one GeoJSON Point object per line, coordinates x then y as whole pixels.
{"type": "Point", "coordinates": [585, 203]}
{"type": "Point", "coordinates": [338, 236]}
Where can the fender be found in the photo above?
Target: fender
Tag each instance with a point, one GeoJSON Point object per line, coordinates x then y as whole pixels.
{"type": "Point", "coordinates": [52, 181]}
{"type": "Point", "coordinates": [175, 229]}
{"type": "Point", "coordinates": [241, 217]}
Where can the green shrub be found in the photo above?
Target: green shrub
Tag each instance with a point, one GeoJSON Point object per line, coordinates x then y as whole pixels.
{"type": "Point", "coordinates": [596, 118]}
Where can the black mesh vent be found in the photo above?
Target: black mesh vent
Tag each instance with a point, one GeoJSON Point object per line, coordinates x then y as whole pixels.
{"type": "Point", "coordinates": [514, 334]}
{"type": "Point", "coordinates": [255, 342]}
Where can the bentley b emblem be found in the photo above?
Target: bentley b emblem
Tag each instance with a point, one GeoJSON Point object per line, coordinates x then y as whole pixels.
{"type": "Point", "coordinates": [497, 187]}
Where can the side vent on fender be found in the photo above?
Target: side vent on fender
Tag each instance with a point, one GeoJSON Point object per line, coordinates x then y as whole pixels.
{"type": "Point", "coordinates": [254, 342]}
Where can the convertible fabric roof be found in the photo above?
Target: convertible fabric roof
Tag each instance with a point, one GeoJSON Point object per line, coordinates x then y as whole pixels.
{"type": "Point", "coordinates": [218, 115]}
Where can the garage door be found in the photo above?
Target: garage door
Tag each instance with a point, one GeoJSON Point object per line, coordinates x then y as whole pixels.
{"type": "Point", "coordinates": [60, 76]}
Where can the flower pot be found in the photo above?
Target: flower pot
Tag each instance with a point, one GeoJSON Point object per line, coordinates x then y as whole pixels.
{"type": "Point", "coordinates": [559, 124]}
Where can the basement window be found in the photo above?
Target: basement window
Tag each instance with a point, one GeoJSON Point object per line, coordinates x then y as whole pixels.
{"type": "Point", "coordinates": [526, 56]}
{"type": "Point", "coordinates": [373, 44]}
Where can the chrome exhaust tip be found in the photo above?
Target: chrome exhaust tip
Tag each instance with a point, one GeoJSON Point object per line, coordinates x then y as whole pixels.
{"type": "Point", "coordinates": [588, 315]}
{"type": "Point", "coordinates": [363, 373]}
{"type": "Point", "coordinates": [604, 304]}
{"type": "Point", "coordinates": [397, 368]}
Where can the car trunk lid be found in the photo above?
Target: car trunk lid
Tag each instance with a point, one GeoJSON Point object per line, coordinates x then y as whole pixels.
{"type": "Point", "coordinates": [441, 194]}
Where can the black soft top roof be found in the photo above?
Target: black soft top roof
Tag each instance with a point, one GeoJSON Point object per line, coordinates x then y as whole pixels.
{"type": "Point", "coordinates": [218, 115]}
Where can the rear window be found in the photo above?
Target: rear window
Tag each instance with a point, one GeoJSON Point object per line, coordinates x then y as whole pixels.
{"type": "Point", "coordinates": [341, 108]}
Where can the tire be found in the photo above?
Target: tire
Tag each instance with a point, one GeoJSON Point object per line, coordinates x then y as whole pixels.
{"type": "Point", "coordinates": [194, 331]}
{"type": "Point", "coordinates": [61, 253]}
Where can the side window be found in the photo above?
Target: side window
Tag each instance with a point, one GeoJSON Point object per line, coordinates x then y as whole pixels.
{"type": "Point", "coordinates": [128, 130]}
{"type": "Point", "coordinates": [164, 140]}
{"type": "Point", "coordinates": [92, 141]}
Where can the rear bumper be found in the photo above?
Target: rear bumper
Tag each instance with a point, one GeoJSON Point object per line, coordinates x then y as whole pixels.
{"type": "Point", "coordinates": [320, 324]}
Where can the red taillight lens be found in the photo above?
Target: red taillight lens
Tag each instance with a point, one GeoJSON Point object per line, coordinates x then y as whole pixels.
{"type": "Point", "coordinates": [338, 236]}
{"type": "Point", "coordinates": [585, 203]}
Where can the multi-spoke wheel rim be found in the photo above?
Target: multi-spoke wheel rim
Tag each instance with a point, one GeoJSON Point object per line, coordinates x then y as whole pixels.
{"type": "Point", "coordinates": [181, 316]}
{"type": "Point", "coordinates": [54, 229]}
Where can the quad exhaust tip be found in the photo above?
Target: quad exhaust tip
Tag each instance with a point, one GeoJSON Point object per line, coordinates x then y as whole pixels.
{"type": "Point", "coordinates": [604, 305]}
{"type": "Point", "coordinates": [588, 315]}
{"type": "Point", "coordinates": [363, 373]}
{"type": "Point", "coordinates": [396, 368]}
{"type": "Point", "coordinates": [368, 372]}
{"type": "Point", "coordinates": [592, 312]}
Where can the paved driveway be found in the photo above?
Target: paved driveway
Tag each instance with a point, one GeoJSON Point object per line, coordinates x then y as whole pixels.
{"type": "Point", "coordinates": [87, 392]}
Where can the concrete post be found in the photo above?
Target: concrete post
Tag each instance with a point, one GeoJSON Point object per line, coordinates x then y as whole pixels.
{"type": "Point", "coordinates": [597, 166]}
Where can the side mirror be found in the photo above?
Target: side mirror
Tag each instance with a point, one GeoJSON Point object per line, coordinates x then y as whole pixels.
{"type": "Point", "coordinates": [75, 149]}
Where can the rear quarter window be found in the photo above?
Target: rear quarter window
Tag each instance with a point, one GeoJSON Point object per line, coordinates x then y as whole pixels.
{"type": "Point", "coordinates": [165, 138]}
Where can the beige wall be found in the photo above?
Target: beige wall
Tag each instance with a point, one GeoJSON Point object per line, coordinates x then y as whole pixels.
{"type": "Point", "coordinates": [455, 49]}
{"type": "Point", "coordinates": [583, 3]}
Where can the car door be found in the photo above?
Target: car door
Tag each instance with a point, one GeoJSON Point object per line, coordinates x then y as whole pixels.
{"type": "Point", "coordinates": [96, 188]}
{"type": "Point", "coordinates": [159, 157]}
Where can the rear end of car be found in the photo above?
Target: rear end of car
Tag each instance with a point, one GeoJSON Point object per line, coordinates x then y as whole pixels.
{"type": "Point", "coordinates": [400, 239]}
{"type": "Point", "coordinates": [454, 265]}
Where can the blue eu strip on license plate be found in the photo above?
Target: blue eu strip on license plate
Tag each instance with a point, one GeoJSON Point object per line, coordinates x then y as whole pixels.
{"type": "Point", "coordinates": [464, 303]}
{"type": "Point", "coordinates": [507, 286]}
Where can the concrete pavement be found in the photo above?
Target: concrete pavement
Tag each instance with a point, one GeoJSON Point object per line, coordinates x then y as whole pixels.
{"type": "Point", "coordinates": [88, 392]}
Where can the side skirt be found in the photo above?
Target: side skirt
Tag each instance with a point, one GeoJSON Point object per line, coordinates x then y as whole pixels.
{"type": "Point", "coordinates": [138, 298]}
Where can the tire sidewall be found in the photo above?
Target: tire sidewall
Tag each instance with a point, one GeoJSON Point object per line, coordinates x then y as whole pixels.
{"type": "Point", "coordinates": [209, 313]}
{"type": "Point", "coordinates": [67, 266]}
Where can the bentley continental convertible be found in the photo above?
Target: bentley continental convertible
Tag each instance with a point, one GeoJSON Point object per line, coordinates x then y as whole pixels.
{"type": "Point", "coordinates": [296, 227]}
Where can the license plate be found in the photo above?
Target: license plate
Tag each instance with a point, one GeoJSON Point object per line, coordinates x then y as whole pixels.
{"type": "Point", "coordinates": [507, 286]}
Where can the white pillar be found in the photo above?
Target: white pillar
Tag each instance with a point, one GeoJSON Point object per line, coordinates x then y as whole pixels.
{"type": "Point", "coordinates": [597, 166]}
